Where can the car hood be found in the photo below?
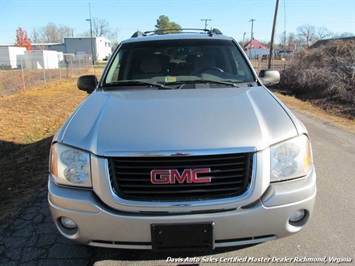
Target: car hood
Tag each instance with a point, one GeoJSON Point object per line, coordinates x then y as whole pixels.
{"type": "Point", "coordinates": [149, 121]}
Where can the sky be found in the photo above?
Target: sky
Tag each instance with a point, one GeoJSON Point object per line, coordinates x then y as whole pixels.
{"type": "Point", "coordinates": [232, 17]}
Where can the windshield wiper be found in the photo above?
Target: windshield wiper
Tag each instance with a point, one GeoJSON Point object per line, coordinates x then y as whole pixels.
{"type": "Point", "coordinates": [206, 81]}
{"type": "Point", "coordinates": [136, 82]}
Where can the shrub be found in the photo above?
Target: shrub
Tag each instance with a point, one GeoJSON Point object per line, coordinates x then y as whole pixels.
{"type": "Point", "coordinates": [326, 73]}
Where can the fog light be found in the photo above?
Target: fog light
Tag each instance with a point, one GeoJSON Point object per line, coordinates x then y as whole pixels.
{"type": "Point", "coordinates": [68, 223]}
{"type": "Point", "coordinates": [297, 216]}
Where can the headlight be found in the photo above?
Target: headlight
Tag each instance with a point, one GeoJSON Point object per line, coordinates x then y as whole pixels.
{"type": "Point", "coordinates": [70, 166]}
{"type": "Point", "coordinates": [291, 159]}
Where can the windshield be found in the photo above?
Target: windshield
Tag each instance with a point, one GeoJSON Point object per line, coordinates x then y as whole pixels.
{"type": "Point", "coordinates": [179, 61]}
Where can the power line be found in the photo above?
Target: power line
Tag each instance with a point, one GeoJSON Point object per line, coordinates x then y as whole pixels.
{"type": "Point", "coordinates": [205, 20]}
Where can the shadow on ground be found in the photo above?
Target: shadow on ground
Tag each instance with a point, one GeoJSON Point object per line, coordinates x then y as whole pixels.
{"type": "Point", "coordinates": [27, 232]}
{"type": "Point", "coordinates": [30, 238]}
{"type": "Point", "coordinates": [23, 172]}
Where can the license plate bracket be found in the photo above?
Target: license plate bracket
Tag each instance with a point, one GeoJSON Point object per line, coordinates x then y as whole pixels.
{"type": "Point", "coordinates": [196, 236]}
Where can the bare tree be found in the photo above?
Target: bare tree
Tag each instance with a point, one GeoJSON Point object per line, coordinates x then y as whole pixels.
{"type": "Point", "coordinates": [101, 28]}
{"type": "Point", "coordinates": [51, 33]}
{"type": "Point", "coordinates": [282, 40]}
{"type": "Point", "coordinates": [307, 33]}
{"type": "Point", "coordinates": [290, 39]}
{"type": "Point", "coordinates": [48, 33]}
{"type": "Point", "coordinates": [324, 33]}
{"type": "Point", "coordinates": [35, 36]}
{"type": "Point", "coordinates": [65, 31]}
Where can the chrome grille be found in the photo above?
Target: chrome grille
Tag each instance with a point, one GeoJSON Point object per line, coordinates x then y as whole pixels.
{"type": "Point", "coordinates": [230, 176]}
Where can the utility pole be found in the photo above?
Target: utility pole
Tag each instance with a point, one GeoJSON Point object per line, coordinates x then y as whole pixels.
{"type": "Point", "coordinates": [35, 40]}
{"type": "Point", "coordinates": [273, 35]}
{"type": "Point", "coordinates": [205, 20]}
{"type": "Point", "coordinates": [244, 39]}
{"type": "Point", "coordinates": [285, 35]}
{"type": "Point", "coordinates": [91, 44]}
{"type": "Point", "coordinates": [251, 36]}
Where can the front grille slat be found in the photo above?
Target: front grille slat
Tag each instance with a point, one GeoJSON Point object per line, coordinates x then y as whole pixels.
{"type": "Point", "coordinates": [188, 191]}
{"type": "Point", "coordinates": [134, 160]}
{"type": "Point", "coordinates": [182, 185]}
{"type": "Point", "coordinates": [161, 166]}
{"type": "Point", "coordinates": [230, 176]}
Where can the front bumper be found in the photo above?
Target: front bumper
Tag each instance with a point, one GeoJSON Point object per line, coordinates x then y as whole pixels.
{"type": "Point", "coordinates": [263, 220]}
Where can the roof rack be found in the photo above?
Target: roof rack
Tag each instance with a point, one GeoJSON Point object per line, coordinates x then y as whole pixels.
{"type": "Point", "coordinates": [184, 30]}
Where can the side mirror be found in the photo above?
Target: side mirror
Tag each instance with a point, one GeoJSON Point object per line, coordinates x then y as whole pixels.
{"type": "Point", "coordinates": [269, 77]}
{"type": "Point", "coordinates": [87, 83]}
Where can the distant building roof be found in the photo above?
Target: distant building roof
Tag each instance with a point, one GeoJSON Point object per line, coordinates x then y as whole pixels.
{"type": "Point", "coordinates": [45, 43]}
{"type": "Point", "coordinates": [325, 41]}
{"type": "Point", "coordinates": [254, 44]}
{"type": "Point", "coordinates": [84, 37]}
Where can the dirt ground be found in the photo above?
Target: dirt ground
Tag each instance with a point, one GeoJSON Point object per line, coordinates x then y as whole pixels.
{"type": "Point", "coordinates": [315, 109]}
{"type": "Point", "coordinates": [28, 121]}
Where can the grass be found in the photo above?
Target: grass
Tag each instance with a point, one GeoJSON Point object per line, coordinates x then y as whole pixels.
{"type": "Point", "coordinates": [32, 115]}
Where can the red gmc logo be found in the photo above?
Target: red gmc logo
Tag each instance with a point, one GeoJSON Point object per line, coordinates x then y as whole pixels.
{"type": "Point", "coordinates": [172, 176]}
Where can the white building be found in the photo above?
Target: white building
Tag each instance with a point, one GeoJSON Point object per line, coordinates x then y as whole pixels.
{"type": "Point", "coordinates": [81, 47]}
{"type": "Point", "coordinates": [256, 49]}
{"type": "Point", "coordinates": [45, 59]}
{"type": "Point", "coordinates": [11, 57]}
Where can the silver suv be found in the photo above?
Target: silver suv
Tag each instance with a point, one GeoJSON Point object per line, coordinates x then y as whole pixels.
{"type": "Point", "coordinates": [180, 146]}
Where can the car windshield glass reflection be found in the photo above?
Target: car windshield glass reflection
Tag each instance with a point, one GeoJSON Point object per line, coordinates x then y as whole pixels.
{"type": "Point", "coordinates": [171, 62]}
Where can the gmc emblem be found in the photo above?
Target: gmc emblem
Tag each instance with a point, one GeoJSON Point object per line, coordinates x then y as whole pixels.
{"type": "Point", "coordinates": [172, 176]}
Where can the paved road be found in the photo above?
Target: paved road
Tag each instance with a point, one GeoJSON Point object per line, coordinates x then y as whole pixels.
{"type": "Point", "coordinates": [31, 239]}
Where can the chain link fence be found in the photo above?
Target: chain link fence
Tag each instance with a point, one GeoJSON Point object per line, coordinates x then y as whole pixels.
{"type": "Point", "coordinates": [278, 64]}
{"type": "Point", "coordinates": [40, 71]}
